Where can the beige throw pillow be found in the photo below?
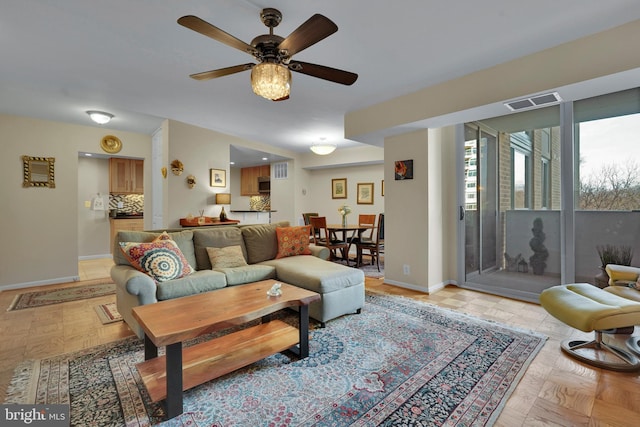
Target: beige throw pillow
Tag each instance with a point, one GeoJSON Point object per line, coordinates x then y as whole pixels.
{"type": "Point", "coordinates": [227, 257]}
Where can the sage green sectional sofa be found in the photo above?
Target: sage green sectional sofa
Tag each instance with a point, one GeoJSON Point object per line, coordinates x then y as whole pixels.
{"type": "Point", "coordinates": [341, 287]}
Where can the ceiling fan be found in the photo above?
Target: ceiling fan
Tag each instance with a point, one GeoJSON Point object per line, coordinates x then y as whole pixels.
{"type": "Point", "coordinates": [271, 77]}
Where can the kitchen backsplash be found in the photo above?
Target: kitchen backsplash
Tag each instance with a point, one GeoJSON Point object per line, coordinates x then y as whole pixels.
{"type": "Point", "coordinates": [260, 203]}
{"type": "Point", "coordinates": [130, 202]}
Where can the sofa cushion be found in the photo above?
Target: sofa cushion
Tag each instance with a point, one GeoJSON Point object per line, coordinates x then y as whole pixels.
{"type": "Point", "coordinates": [227, 257]}
{"type": "Point", "coordinates": [161, 259]}
{"type": "Point", "coordinates": [248, 274]}
{"type": "Point", "coordinates": [215, 237]}
{"type": "Point", "coordinates": [260, 241]}
{"type": "Point", "coordinates": [293, 241]}
{"type": "Point", "coordinates": [315, 274]}
{"type": "Point", "coordinates": [184, 240]}
{"type": "Point", "coordinates": [198, 282]}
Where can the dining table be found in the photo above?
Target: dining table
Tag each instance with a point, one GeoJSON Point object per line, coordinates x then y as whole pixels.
{"type": "Point", "coordinates": [348, 233]}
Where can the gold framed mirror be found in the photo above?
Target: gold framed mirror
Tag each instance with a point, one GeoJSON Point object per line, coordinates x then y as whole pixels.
{"type": "Point", "coordinates": [38, 171]}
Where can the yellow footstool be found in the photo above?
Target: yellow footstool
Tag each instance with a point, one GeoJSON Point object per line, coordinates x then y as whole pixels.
{"type": "Point", "coordinates": [589, 308]}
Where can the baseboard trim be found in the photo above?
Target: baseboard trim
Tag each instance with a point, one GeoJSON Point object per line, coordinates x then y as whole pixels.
{"type": "Point", "coordinates": [88, 257]}
{"type": "Point", "coordinates": [41, 283]}
{"type": "Point", "coordinates": [429, 290]}
{"type": "Point", "coordinates": [406, 286]}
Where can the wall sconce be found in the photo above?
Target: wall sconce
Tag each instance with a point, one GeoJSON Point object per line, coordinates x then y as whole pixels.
{"type": "Point", "coordinates": [100, 117]}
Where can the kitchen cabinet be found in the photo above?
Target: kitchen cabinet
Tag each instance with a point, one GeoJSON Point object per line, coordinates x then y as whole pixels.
{"type": "Point", "coordinates": [125, 224]}
{"type": "Point", "coordinates": [249, 179]}
{"type": "Point", "coordinates": [126, 176]}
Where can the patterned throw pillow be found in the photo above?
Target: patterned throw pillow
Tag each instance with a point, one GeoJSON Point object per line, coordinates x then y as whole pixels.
{"type": "Point", "coordinates": [227, 257]}
{"type": "Point", "coordinates": [161, 259]}
{"type": "Point", "coordinates": [293, 241]}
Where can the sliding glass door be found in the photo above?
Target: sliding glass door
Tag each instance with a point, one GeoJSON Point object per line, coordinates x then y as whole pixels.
{"type": "Point", "coordinates": [480, 190]}
{"type": "Point", "coordinates": [512, 203]}
{"type": "Point", "coordinates": [518, 240]}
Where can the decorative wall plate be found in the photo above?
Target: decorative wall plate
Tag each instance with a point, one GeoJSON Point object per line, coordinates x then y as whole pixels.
{"type": "Point", "coordinates": [111, 144]}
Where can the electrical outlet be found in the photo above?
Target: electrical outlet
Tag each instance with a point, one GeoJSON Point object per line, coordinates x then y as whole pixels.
{"type": "Point", "coordinates": [87, 203]}
{"type": "Point", "coordinates": [120, 205]}
{"type": "Point", "coordinates": [406, 269]}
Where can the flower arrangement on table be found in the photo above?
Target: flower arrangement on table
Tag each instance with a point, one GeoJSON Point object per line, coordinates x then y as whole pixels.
{"type": "Point", "coordinates": [344, 210]}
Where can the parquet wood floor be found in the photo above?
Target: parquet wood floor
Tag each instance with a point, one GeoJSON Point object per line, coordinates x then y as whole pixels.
{"type": "Point", "coordinates": [555, 391]}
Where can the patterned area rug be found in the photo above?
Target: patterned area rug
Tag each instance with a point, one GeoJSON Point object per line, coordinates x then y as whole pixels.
{"type": "Point", "coordinates": [108, 313]}
{"type": "Point", "coordinates": [89, 289]}
{"type": "Point", "coordinates": [399, 362]}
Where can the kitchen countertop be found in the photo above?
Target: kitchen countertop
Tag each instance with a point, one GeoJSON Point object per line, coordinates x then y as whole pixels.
{"type": "Point", "coordinates": [127, 217]}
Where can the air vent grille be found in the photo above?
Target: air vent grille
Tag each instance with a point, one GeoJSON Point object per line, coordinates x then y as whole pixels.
{"type": "Point", "coordinates": [532, 102]}
{"type": "Point", "coordinates": [280, 170]}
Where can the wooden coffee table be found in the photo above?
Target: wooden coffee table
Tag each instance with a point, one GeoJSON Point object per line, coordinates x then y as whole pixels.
{"type": "Point", "coordinates": [169, 323]}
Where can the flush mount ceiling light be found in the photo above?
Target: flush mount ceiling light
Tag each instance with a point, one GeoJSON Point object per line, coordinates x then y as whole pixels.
{"type": "Point", "coordinates": [100, 117]}
{"type": "Point", "coordinates": [323, 148]}
{"type": "Point", "coordinates": [271, 81]}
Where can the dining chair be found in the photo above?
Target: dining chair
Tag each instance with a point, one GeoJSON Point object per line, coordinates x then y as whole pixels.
{"type": "Point", "coordinates": [319, 228]}
{"type": "Point", "coordinates": [305, 217]}
{"type": "Point", "coordinates": [365, 220]}
{"type": "Point", "coordinates": [373, 248]}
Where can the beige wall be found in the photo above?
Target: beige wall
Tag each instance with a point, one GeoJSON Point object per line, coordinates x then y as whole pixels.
{"type": "Point", "coordinates": [94, 229]}
{"type": "Point", "coordinates": [318, 192]}
{"type": "Point", "coordinates": [40, 225]}
{"type": "Point", "coordinates": [202, 149]}
{"type": "Point", "coordinates": [406, 214]}
{"type": "Point", "coordinates": [599, 55]}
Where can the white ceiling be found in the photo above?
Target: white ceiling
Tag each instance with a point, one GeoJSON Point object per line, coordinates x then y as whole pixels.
{"type": "Point", "coordinates": [131, 58]}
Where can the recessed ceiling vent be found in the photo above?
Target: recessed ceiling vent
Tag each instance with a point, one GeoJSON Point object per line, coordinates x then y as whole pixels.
{"type": "Point", "coordinates": [532, 102]}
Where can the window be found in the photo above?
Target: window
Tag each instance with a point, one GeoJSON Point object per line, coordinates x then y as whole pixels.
{"type": "Point", "coordinates": [521, 182]}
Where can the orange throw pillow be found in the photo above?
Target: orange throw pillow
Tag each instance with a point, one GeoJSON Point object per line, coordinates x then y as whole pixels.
{"type": "Point", "coordinates": [293, 241]}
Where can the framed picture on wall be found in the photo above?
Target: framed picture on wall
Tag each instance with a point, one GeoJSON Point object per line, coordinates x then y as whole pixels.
{"type": "Point", "coordinates": [404, 169]}
{"type": "Point", "coordinates": [218, 178]}
{"type": "Point", "coordinates": [365, 193]}
{"type": "Point", "coordinates": [339, 188]}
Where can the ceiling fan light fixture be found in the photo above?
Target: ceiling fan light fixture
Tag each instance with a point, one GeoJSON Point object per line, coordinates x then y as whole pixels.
{"type": "Point", "coordinates": [100, 117]}
{"type": "Point", "coordinates": [323, 148]}
{"type": "Point", "coordinates": [271, 81]}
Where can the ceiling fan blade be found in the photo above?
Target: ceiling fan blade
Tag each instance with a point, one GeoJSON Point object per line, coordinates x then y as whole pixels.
{"type": "Point", "coordinates": [309, 33]}
{"type": "Point", "coordinates": [322, 72]}
{"type": "Point", "coordinates": [206, 75]}
{"type": "Point", "coordinates": [203, 27]}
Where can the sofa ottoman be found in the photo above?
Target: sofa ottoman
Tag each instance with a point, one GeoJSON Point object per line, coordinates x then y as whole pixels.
{"type": "Point", "coordinates": [341, 287]}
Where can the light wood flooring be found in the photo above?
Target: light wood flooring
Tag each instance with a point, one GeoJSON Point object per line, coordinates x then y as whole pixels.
{"type": "Point", "coordinates": [555, 391]}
